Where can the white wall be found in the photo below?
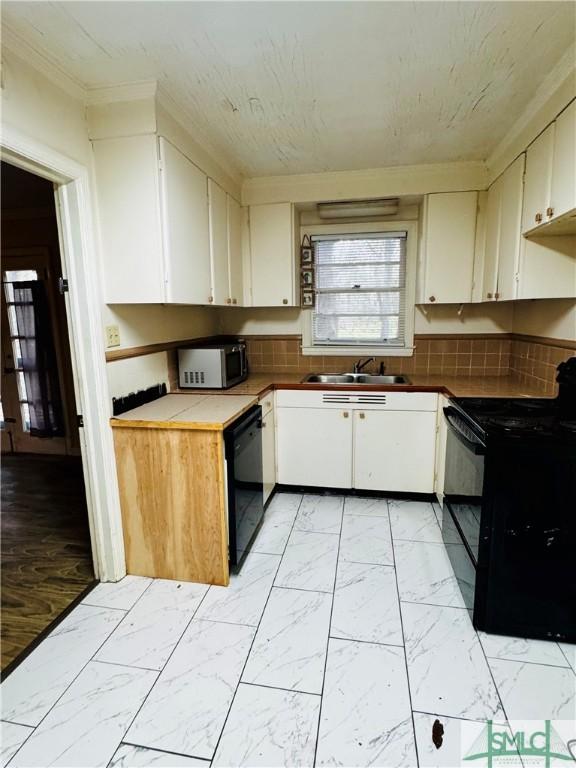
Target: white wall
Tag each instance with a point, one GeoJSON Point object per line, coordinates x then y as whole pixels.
{"type": "Point", "coordinates": [153, 323]}
{"type": "Point", "coordinates": [555, 318]}
{"type": "Point", "coordinates": [38, 108]}
{"type": "Point", "coordinates": [475, 318]}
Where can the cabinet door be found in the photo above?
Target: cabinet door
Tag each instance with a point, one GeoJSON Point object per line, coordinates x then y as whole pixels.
{"type": "Point", "coordinates": [492, 239]}
{"type": "Point", "coordinates": [394, 450]}
{"type": "Point", "coordinates": [268, 453]}
{"type": "Point", "coordinates": [563, 193]}
{"type": "Point", "coordinates": [314, 447]}
{"type": "Point", "coordinates": [218, 209]}
{"type": "Point", "coordinates": [512, 183]}
{"type": "Point", "coordinates": [185, 228]}
{"type": "Point", "coordinates": [272, 255]}
{"type": "Point", "coordinates": [235, 271]}
{"type": "Point", "coordinates": [538, 179]}
{"type": "Point", "coordinates": [127, 185]}
{"type": "Point", "coordinates": [449, 232]}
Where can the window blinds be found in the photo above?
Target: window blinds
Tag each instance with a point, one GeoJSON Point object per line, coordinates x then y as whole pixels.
{"type": "Point", "coordinates": [360, 289]}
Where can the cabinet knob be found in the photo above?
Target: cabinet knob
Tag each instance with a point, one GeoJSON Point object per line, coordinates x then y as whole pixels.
{"type": "Point", "coordinates": [538, 218]}
{"type": "Point", "coordinates": [263, 424]}
{"type": "Point", "coordinates": [362, 415]}
{"type": "Point", "coordinates": [346, 414]}
{"type": "Point", "coordinates": [432, 299]}
{"type": "Point", "coordinates": [210, 299]}
{"type": "Point", "coordinates": [234, 301]}
{"type": "Point", "coordinates": [284, 301]}
{"type": "Point", "coordinates": [228, 301]}
{"type": "Point", "coordinates": [549, 212]}
{"type": "Point", "coordinates": [496, 295]}
{"type": "Point", "coordinates": [488, 295]}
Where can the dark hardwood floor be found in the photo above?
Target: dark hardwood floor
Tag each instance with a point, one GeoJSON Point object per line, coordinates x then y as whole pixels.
{"type": "Point", "coordinates": [46, 558]}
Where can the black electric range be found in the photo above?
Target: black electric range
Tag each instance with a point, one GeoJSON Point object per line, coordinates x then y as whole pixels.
{"type": "Point", "coordinates": [509, 522]}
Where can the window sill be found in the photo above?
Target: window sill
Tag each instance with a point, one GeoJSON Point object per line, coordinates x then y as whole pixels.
{"type": "Point", "coordinates": [358, 351]}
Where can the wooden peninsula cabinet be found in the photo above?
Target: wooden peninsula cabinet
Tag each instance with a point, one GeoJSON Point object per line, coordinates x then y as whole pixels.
{"type": "Point", "coordinates": [171, 473]}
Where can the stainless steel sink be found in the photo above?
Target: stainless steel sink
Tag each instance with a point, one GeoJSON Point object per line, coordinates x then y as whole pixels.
{"type": "Point", "coordinates": [355, 378]}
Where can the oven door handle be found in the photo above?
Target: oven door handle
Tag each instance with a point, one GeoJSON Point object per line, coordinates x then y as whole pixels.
{"type": "Point", "coordinates": [468, 438]}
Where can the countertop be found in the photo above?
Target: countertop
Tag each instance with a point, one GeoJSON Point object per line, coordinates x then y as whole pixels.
{"type": "Point", "coordinates": [257, 384]}
{"type": "Point", "coordinates": [185, 411]}
{"type": "Point", "coordinates": [216, 409]}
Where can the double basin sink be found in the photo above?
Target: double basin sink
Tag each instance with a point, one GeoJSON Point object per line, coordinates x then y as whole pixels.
{"type": "Point", "coordinates": [354, 378]}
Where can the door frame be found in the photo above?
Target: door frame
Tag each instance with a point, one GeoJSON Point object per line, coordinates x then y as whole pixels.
{"type": "Point", "coordinates": [81, 267]}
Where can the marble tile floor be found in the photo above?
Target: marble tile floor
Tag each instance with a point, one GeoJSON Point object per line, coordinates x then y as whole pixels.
{"type": "Point", "coordinates": [341, 642]}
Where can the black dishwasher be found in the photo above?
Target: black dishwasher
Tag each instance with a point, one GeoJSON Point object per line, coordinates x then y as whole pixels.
{"type": "Point", "coordinates": [243, 451]}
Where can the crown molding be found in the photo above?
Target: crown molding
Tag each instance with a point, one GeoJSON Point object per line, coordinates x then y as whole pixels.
{"type": "Point", "coordinates": [553, 94]}
{"type": "Point", "coordinates": [108, 94]}
{"type": "Point", "coordinates": [43, 62]}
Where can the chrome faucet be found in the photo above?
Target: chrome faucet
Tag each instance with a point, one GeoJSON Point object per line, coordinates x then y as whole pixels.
{"type": "Point", "coordinates": [359, 365]}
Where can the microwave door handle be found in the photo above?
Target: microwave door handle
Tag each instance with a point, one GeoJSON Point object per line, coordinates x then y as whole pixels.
{"type": "Point", "coordinates": [470, 440]}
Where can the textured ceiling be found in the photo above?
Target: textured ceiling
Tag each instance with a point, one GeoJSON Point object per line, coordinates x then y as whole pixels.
{"type": "Point", "coordinates": [296, 87]}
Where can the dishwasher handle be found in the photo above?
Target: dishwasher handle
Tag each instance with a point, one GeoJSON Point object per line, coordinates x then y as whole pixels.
{"type": "Point", "coordinates": [463, 432]}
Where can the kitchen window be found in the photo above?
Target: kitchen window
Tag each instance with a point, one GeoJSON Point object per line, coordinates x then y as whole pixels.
{"type": "Point", "coordinates": [364, 286]}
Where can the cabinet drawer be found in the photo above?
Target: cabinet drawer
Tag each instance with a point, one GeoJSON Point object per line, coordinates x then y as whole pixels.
{"type": "Point", "coordinates": [366, 400]}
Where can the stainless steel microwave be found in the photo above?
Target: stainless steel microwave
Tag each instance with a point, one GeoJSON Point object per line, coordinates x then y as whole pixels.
{"type": "Point", "coordinates": [212, 367]}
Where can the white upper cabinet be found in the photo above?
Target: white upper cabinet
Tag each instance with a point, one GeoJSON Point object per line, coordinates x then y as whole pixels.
{"type": "Point", "coordinates": [184, 197]}
{"type": "Point", "coordinates": [235, 266]}
{"type": "Point", "coordinates": [550, 191]}
{"type": "Point", "coordinates": [128, 193]}
{"type": "Point", "coordinates": [503, 236]}
{"type": "Point", "coordinates": [537, 187]}
{"type": "Point", "coordinates": [563, 187]}
{"type": "Point", "coordinates": [153, 215]}
{"type": "Point", "coordinates": [449, 233]}
{"type": "Point", "coordinates": [509, 236]}
{"type": "Point", "coordinates": [225, 247]}
{"type": "Point", "coordinates": [273, 244]}
{"type": "Point", "coordinates": [218, 206]}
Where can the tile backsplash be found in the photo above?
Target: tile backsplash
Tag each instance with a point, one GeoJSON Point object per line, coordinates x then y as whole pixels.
{"type": "Point", "coordinates": [533, 361]}
{"type": "Point", "coordinates": [454, 356]}
{"type": "Point", "coordinates": [529, 359]}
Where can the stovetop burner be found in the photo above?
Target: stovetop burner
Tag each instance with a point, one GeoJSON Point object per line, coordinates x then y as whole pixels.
{"type": "Point", "coordinates": [517, 417]}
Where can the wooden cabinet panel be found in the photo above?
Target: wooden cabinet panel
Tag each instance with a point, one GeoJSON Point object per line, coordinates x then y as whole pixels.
{"type": "Point", "coordinates": [127, 186]}
{"type": "Point", "coordinates": [173, 503]}
{"type": "Point", "coordinates": [509, 237]}
{"type": "Point", "coordinates": [394, 450]}
{"type": "Point", "coordinates": [314, 447]}
{"type": "Point", "coordinates": [538, 180]}
{"type": "Point", "coordinates": [235, 266]}
{"type": "Point", "coordinates": [563, 192]}
{"type": "Point", "coordinates": [272, 255]}
{"type": "Point", "coordinates": [186, 228]}
{"type": "Point", "coordinates": [449, 239]}
{"type": "Point", "coordinates": [218, 208]}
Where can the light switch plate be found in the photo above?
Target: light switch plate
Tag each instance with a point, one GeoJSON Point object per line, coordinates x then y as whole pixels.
{"type": "Point", "coordinates": [112, 336]}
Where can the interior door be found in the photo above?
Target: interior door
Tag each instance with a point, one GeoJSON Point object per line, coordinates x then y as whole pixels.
{"type": "Point", "coordinates": [18, 337]}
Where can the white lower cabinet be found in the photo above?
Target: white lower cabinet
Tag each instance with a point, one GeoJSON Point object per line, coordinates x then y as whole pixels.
{"type": "Point", "coordinates": [268, 445]}
{"type": "Point", "coordinates": [339, 440]}
{"type": "Point", "coordinates": [394, 450]}
{"type": "Point", "coordinates": [314, 446]}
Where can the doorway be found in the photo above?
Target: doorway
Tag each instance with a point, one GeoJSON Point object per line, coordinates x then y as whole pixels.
{"type": "Point", "coordinates": [46, 550]}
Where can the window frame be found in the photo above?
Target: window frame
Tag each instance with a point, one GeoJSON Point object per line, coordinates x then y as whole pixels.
{"type": "Point", "coordinates": [382, 350]}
